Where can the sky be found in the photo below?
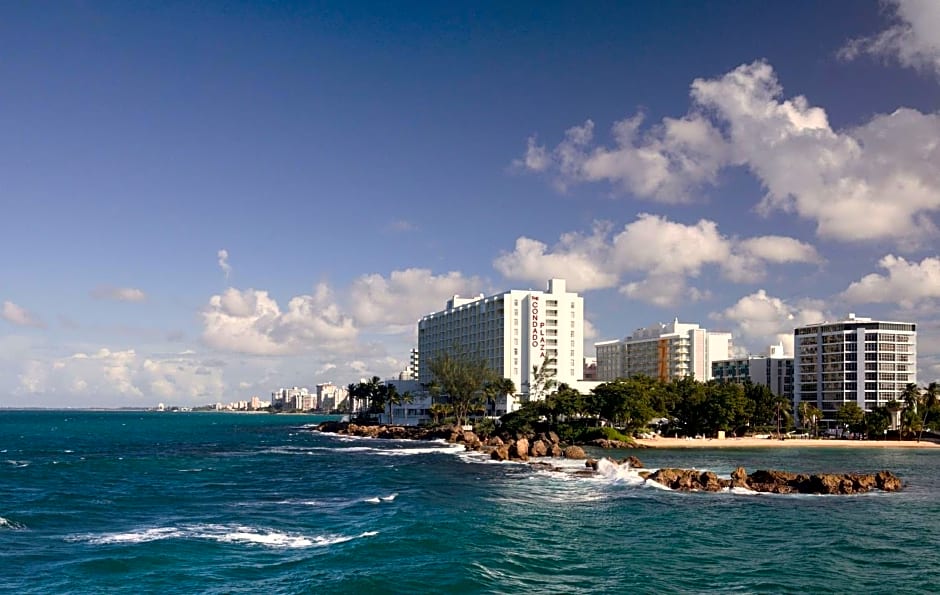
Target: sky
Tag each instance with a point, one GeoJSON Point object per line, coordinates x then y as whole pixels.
{"type": "Point", "coordinates": [206, 201]}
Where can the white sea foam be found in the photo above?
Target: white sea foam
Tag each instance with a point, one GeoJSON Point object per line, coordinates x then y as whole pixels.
{"type": "Point", "coordinates": [221, 534]}
{"type": "Point", "coordinates": [374, 500]}
{"type": "Point", "coordinates": [18, 464]}
{"type": "Point", "coordinates": [389, 498]}
{"type": "Point", "coordinates": [8, 524]}
{"type": "Point", "coordinates": [272, 539]}
{"type": "Point", "coordinates": [142, 536]}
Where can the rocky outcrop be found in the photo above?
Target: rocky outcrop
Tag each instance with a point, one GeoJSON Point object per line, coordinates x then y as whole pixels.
{"type": "Point", "coordinates": [575, 452]}
{"type": "Point", "coordinates": [776, 482]}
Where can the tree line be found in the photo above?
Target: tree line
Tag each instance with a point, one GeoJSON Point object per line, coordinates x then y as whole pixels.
{"type": "Point", "coordinates": [464, 387]}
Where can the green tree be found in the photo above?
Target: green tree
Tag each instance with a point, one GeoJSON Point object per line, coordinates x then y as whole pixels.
{"type": "Point", "coordinates": [543, 379]}
{"type": "Point", "coordinates": [686, 401]}
{"type": "Point", "coordinates": [930, 400]}
{"type": "Point", "coordinates": [851, 416]}
{"type": "Point", "coordinates": [393, 398]}
{"type": "Point", "coordinates": [809, 416]}
{"type": "Point", "coordinates": [876, 422]}
{"type": "Point", "coordinates": [463, 380]}
{"type": "Point", "coordinates": [494, 389]}
{"type": "Point", "coordinates": [725, 406]}
{"type": "Point", "coordinates": [626, 402]}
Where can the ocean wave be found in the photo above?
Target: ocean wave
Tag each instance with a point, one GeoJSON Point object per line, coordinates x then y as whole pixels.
{"type": "Point", "coordinates": [380, 499]}
{"type": "Point", "coordinates": [13, 525]}
{"type": "Point", "coordinates": [18, 464]}
{"type": "Point", "coordinates": [221, 534]}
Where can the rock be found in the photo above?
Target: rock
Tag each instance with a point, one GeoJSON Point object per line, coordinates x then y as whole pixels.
{"type": "Point", "coordinates": [538, 449]}
{"type": "Point", "coordinates": [500, 453]}
{"type": "Point", "coordinates": [887, 481]}
{"type": "Point", "coordinates": [495, 441]}
{"type": "Point", "coordinates": [557, 450]}
{"type": "Point", "coordinates": [633, 462]}
{"type": "Point", "coordinates": [553, 438]}
{"type": "Point", "coordinates": [471, 440]}
{"type": "Point", "coordinates": [575, 452]}
{"type": "Point", "coordinates": [520, 449]}
{"type": "Point", "coordinates": [739, 478]}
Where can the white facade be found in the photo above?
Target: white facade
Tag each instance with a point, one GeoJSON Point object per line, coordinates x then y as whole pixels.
{"type": "Point", "coordinates": [663, 351]}
{"type": "Point", "coordinates": [774, 370]}
{"type": "Point", "coordinates": [856, 360]}
{"type": "Point", "coordinates": [512, 331]}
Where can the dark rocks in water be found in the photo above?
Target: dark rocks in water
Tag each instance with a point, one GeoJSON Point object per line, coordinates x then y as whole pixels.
{"type": "Point", "coordinates": [634, 462]}
{"type": "Point", "coordinates": [778, 482]}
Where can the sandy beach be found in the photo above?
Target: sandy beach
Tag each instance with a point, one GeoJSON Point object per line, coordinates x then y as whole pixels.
{"type": "Point", "coordinates": [771, 443]}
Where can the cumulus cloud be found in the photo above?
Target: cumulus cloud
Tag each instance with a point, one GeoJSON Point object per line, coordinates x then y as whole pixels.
{"type": "Point", "coordinates": [223, 262]}
{"type": "Point", "coordinates": [119, 294]}
{"type": "Point", "coordinates": [20, 316]}
{"type": "Point", "coordinates": [123, 373]}
{"type": "Point", "coordinates": [913, 40]}
{"type": "Point", "coordinates": [906, 283]}
{"type": "Point", "coordinates": [877, 181]}
{"type": "Point", "coordinates": [250, 321]}
{"type": "Point", "coordinates": [762, 320]}
{"type": "Point", "coordinates": [580, 259]}
{"type": "Point", "coordinates": [665, 254]}
{"type": "Point", "coordinates": [397, 302]}
{"type": "Point", "coordinates": [664, 163]}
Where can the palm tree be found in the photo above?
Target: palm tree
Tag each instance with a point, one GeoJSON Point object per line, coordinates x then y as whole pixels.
{"type": "Point", "coordinates": [929, 400]}
{"type": "Point", "coordinates": [809, 415]}
{"type": "Point", "coordinates": [911, 397]}
{"type": "Point", "coordinates": [393, 398]}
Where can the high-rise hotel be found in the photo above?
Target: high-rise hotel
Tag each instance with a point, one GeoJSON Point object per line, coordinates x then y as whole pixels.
{"type": "Point", "coordinates": [857, 360]}
{"type": "Point", "coordinates": [512, 332]}
{"type": "Point", "coordinates": [663, 351]}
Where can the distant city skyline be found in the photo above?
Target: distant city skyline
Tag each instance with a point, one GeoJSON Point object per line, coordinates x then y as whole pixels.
{"type": "Point", "coordinates": [204, 202]}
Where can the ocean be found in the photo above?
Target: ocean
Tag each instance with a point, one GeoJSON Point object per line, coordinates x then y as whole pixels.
{"type": "Point", "coordinates": [146, 502]}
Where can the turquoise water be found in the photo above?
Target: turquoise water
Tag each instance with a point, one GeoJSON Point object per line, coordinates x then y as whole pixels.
{"type": "Point", "coordinates": [115, 502]}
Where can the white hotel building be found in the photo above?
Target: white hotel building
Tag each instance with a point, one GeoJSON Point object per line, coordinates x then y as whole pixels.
{"type": "Point", "coordinates": [663, 351]}
{"type": "Point", "coordinates": [513, 332]}
{"type": "Point", "coordinates": [856, 360]}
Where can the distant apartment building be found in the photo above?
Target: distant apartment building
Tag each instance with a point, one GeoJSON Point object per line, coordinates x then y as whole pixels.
{"type": "Point", "coordinates": [512, 331]}
{"type": "Point", "coordinates": [856, 360]}
{"type": "Point", "coordinates": [329, 396]}
{"type": "Point", "coordinates": [664, 351]}
{"type": "Point", "coordinates": [774, 370]}
{"type": "Point", "coordinates": [294, 398]}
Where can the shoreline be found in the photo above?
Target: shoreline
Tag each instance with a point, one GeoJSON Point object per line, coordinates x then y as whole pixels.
{"type": "Point", "coordinates": [682, 443]}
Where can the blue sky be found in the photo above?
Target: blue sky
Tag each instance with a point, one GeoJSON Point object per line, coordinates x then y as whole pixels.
{"type": "Point", "coordinates": [207, 201]}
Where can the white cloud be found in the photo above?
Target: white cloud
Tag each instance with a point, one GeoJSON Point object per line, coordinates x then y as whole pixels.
{"type": "Point", "coordinates": [762, 320]}
{"type": "Point", "coordinates": [914, 40]}
{"type": "Point", "coordinates": [580, 259]}
{"type": "Point", "coordinates": [664, 164]}
{"type": "Point", "coordinates": [906, 283]}
{"type": "Point", "coordinates": [877, 181]}
{"type": "Point", "coordinates": [120, 294]}
{"type": "Point", "coordinates": [663, 291]}
{"type": "Point", "coordinates": [20, 316]}
{"type": "Point", "coordinates": [223, 262]}
{"type": "Point", "coordinates": [123, 374]}
{"type": "Point", "coordinates": [665, 253]}
{"type": "Point", "coordinates": [397, 302]}
{"type": "Point", "coordinates": [250, 321]}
